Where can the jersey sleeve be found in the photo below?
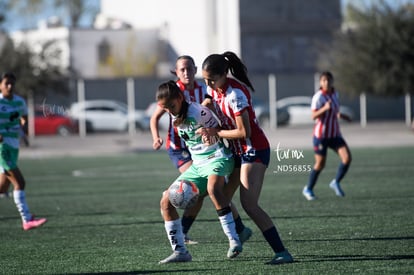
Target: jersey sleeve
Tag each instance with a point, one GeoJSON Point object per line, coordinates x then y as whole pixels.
{"type": "Point", "coordinates": [317, 102]}
{"type": "Point", "coordinates": [238, 102]}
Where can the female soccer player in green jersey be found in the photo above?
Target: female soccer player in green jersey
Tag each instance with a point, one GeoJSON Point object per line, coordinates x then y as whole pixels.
{"type": "Point", "coordinates": [212, 161]}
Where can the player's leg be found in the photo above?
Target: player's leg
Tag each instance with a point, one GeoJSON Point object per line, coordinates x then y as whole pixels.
{"type": "Point", "coordinates": [215, 173]}
{"type": "Point", "coordinates": [8, 161]}
{"type": "Point", "coordinates": [4, 185]}
{"type": "Point", "coordinates": [221, 202]}
{"type": "Point", "coordinates": [233, 182]}
{"type": "Point", "coordinates": [189, 216]}
{"type": "Point", "coordinates": [345, 157]}
{"type": "Point", "coordinates": [320, 150]}
{"type": "Point", "coordinates": [173, 228]}
{"type": "Point", "coordinates": [182, 161]}
{"type": "Point", "coordinates": [16, 178]}
{"type": "Point", "coordinates": [252, 176]}
{"type": "Point", "coordinates": [172, 221]}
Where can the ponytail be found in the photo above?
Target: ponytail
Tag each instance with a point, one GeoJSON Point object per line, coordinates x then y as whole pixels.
{"type": "Point", "coordinates": [237, 68]}
{"type": "Point", "coordinates": [219, 64]}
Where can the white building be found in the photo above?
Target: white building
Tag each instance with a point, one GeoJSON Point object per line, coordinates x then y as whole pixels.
{"type": "Point", "coordinates": [192, 27]}
{"type": "Point", "coordinates": [133, 38]}
{"type": "Point", "coordinates": [95, 53]}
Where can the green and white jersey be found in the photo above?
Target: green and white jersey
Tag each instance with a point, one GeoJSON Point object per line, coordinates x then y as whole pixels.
{"type": "Point", "coordinates": [199, 116]}
{"type": "Point", "coordinates": [11, 110]}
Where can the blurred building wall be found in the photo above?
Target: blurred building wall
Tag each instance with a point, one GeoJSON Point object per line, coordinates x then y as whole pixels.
{"type": "Point", "coordinates": [283, 36]}
{"type": "Point", "coordinates": [197, 28]}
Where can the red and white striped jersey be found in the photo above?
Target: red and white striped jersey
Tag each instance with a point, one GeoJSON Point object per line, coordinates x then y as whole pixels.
{"type": "Point", "coordinates": [232, 103]}
{"type": "Point", "coordinates": [327, 125]}
{"type": "Point", "coordinates": [198, 94]}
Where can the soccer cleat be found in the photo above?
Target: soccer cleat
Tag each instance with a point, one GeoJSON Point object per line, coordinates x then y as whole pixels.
{"type": "Point", "coordinates": [308, 194]}
{"type": "Point", "coordinates": [177, 257]}
{"type": "Point", "coordinates": [334, 185]}
{"type": "Point", "coordinates": [235, 249]}
{"type": "Point", "coordinates": [283, 257]}
{"type": "Point", "coordinates": [245, 235]}
{"type": "Point", "coordinates": [188, 240]}
{"type": "Point", "coordinates": [33, 223]}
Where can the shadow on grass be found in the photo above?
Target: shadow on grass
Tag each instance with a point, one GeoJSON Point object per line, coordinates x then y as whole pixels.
{"type": "Point", "coordinates": [330, 258]}
{"type": "Point", "coordinates": [181, 271]}
{"type": "Point", "coordinates": [16, 217]}
{"type": "Point", "coordinates": [358, 239]}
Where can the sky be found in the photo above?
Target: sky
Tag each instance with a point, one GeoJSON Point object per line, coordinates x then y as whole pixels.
{"type": "Point", "coordinates": [17, 22]}
{"type": "Point", "coordinates": [21, 23]}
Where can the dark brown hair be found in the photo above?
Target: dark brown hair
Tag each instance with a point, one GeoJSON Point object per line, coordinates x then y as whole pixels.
{"type": "Point", "coordinates": [169, 91]}
{"type": "Point", "coordinates": [219, 64]}
{"type": "Point", "coordinates": [185, 57]}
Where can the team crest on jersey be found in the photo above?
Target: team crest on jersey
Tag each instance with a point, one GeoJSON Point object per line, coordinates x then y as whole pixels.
{"type": "Point", "coordinates": [183, 135]}
{"type": "Point", "coordinates": [185, 154]}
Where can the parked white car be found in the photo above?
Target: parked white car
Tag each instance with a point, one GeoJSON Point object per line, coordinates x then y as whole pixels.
{"type": "Point", "coordinates": [299, 109]}
{"type": "Point", "coordinates": [108, 115]}
{"type": "Point", "coordinates": [293, 110]}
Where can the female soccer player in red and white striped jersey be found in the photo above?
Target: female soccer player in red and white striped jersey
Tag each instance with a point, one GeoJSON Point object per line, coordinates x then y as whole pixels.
{"type": "Point", "coordinates": [326, 134]}
{"type": "Point", "coordinates": [239, 124]}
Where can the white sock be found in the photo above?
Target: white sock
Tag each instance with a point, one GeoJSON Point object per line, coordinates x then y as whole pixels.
{"type": "Point", "coordinates": [229, 227]}
{"type": "Point", "coordinates": [20, 201]}
{"type": "Point", "coordinates": [175, 235]}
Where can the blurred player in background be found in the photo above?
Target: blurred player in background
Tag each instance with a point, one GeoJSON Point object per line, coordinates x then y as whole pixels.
{"type": "Point", "coordinates": [193, 91]}
{"type": "Point", "coordinates": [326, 134]}
{"type": "Point", "coordinates": [13, 110]}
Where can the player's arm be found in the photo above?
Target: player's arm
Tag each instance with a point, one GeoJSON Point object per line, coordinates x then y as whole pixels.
{"type": "Point", "coordinates": [23, 123]}
{"type": "Point", "coordinates": [344, 117]}
{"type": "Point", "coordinates": [319, 112]}
{"type": "Point", "coordinates": [208, 102]}
{"type": "Point", "coordinates": [242, 129]}
{"type": "Point", "coordinates": [156, 139]}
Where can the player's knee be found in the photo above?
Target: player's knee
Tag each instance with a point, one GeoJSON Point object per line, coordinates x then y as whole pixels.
{"type": "Point", "coordinates": [346, 159]}
{"type": "Point", "coordinates": [164, 200]}
{"type": "Point", "coordinates": [319, 166]}
{"type": "Point", "coordinates": [249, 207]}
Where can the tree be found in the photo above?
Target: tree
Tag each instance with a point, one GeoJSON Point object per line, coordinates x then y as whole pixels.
{"type": "Point", "coordinates": [72, 10]}
{"type": "Point", "coordinates": [76, 9]}
{"type": "Point", "coordinates": [36, 73]}
{"type": "Point", "coordinates": [374, 52]}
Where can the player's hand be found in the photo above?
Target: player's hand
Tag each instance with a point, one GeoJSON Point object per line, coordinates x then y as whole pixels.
{"type": "Point", "coordinates": [327, 105]}
{"type": "Point", "coordinates": [344, 117]}
{"type": "Point", "coordinates": [208, 135]}
{"type": "Point", "coordinates": [209, 132]}
{"type": "Point", "coordinates": [157, 143]}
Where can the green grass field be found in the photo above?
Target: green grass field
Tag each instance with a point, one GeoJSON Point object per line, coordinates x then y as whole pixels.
{"type": "Point", "coordinates": [104, 219]}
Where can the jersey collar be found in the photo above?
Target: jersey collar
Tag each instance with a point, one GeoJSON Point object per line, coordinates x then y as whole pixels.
{"type": "Point", "coordinates": [182, 86]}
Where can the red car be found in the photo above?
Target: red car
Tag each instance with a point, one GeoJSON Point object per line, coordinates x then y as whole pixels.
{"type": "Point", "coordinates": [53, 123]}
